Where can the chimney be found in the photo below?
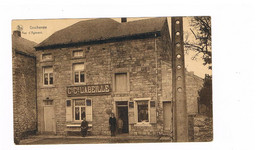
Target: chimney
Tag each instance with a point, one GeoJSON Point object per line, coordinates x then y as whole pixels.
{"type": "Point", "coordinates": [123, 20]}
{"type": "Point", "coordinates": [17, 33]}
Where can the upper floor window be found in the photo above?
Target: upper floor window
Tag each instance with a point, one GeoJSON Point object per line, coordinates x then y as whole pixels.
{"type": "Point", "coordinates": [48, 76]}
{"type": "Point", "coordinates": [46, 57]}
{"type": "Point", "coordinates": [121, 82]}
{"type": "Point", "coordinates": [79, 73]}
{"type": "Point", "coordinates": [78, 53]}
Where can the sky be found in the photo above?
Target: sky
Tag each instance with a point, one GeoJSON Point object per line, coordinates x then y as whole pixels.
{"type": "Point", "coordinates": [31, 32]}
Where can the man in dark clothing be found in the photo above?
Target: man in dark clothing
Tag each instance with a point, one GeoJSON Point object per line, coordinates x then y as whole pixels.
{"type": "Point", "coordinates": [112, 124]}
{"type": "Point", "coordinates": [84, 127]}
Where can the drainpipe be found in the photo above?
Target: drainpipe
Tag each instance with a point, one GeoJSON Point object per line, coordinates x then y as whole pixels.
{"type": "Point", "coordinates": [156, 63]}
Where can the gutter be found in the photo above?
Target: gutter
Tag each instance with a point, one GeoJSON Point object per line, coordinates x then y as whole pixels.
{"type": "Point", "coordinates": [101, 41]}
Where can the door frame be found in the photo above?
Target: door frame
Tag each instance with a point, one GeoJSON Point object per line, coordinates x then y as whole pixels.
{"type": "Point", "coordinates": [53, 119]}
{"type": "Point", "coordinates": [116, 110]}
{"type": "Point", "coordinates": [164, 102]}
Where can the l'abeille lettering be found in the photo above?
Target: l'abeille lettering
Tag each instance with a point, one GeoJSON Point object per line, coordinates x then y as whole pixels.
{"type": "Point", "coordinates": [88, 90]}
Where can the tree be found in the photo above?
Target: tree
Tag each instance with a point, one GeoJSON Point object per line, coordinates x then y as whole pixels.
{"type": "Point", "coordinates": [205, 95]}
{"type": "Point", "coordinates": [201, 41]}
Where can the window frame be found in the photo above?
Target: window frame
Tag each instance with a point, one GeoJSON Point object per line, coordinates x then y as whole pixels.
{"type": "Point", "coordinates": [79, 73]}
{"type": "Point", "coordinates": [127, 82]}
{"type": "Point", "coordinates": [75, 50]}
{"type": "Point", "coordinates": [48, 76]}
{"type": "Point", "coordinates": [74, 115]}
{"type": "Point", "coordinates": [47, 59]}
{"type": "Point", "coordinates": [85, 105]}
{"type": "Point", "coordinates": [136, 100]}
{"type": "Point", "coordinates": [47, 102]}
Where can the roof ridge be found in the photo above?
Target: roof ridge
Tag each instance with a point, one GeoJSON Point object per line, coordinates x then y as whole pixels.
{"type": "Point", "coordinates": [102, 29]}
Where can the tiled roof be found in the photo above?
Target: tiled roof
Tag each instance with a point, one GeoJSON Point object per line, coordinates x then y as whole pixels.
{"type": "Point", "coordinates": [102, 29]}
{"type": "Point", "coordinates": [23, 45]}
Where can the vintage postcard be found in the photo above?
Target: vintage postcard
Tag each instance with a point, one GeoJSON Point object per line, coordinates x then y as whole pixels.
{"type": "Point", "coordinates": [112, 80]}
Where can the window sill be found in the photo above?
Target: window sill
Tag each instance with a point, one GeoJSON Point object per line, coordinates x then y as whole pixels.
{"type": "Point", "coordinates": [126, 92]}
{"type": "Point", "coordinates": [48, 86]}
{"type": "Point", "coordinates": [76, 125]}
{"type": "Point", "coordinates": [46, 61]}
{"type": "Point", "coordinates": [145, 124]}
{"type": "Point", "coordinates": [75, 84]}
{"type": "Point", "coordinates": [81, 57]}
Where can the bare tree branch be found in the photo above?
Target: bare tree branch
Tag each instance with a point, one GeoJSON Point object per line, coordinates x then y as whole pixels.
{"type": "Point", "coordinates": [201, 30]}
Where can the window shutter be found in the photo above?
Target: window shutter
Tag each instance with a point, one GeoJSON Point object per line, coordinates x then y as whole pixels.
{"type": "Point", "coordinates": [68, 111]}
{"type": "Point", "coordinates": [135, 113]}
{"type": "Point", "coordinates": [131, 113]}
{"type": "Point", "coordinates": [88, 110]}
{"type": "Point", "coordinates": [121, 82]}
{"type": "Point", "coordinates": [152, 112]}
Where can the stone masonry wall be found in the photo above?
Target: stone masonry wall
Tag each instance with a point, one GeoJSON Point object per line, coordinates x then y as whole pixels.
{"type": "Point", "coordinates": [203, 128]}
{"type": "Point", "coordinates": [137, 57]}
{"type": "Point", "coordinates": [193, 85]}
{"type": "Point", "coordinates": [24, 96]}
{"type": "Point", "coordinates": [97, 66]}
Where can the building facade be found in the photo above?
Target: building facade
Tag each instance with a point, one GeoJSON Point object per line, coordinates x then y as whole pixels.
{"type": "Point", "coordinates": [97, 67]}
{"type": "Point", "coordinates": [24, 87]}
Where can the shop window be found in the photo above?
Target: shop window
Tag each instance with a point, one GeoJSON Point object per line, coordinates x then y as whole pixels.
{"type": "Point", "coordinates": [142, 111]}
{"type": "Point", "coordinates": [82, 109]}
{"type": "Point", "coordinates": [79, 73]}
{"type": "Point", "coordinates": [121, 82]}
{"type": "Point", "coordinates": [78, 53]}
{"type": "Point", "coordinates": [47, 76]}
{"type": "Point", "coordinates": [46, 57]}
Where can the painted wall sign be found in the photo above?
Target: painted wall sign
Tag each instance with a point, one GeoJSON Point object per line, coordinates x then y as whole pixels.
{"type": "Point", "coordinates": [84, 90]}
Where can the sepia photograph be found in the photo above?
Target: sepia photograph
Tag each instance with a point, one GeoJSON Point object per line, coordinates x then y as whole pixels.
{"type": "Point", "coordinates": [112, 80]}
{"type": "Point", "coordinates": [129, 75]}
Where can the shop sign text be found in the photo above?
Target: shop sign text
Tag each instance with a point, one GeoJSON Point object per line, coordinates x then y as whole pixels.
{"type": "Point", "coordinates": [84, 90]}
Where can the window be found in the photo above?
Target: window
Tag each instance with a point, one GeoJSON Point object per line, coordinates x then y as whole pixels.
{"type": "Point", "coordinates": [79, 74]}
{"type": "Point", "coordinates": [82, 109]}
{"type": "Point", "coordinates": [78, 53]}
{"type": "Point", "coordinates": [48, 102]}
{"type": "Point", "coordinates": [143, 111]}
{"type": "Point", "coordinates": [121, 82]}
{"type": "Point", "coordinates": [47, 76]}
{"type": "Point", "coordinates": [46, 57]}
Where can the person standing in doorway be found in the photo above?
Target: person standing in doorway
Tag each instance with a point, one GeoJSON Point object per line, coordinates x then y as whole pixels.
{"type": "Point", "coordinates": [120, 125]}
{"type": "Point", "coordinates": [84, 127]}
{"type": "Point", "coordinates": [112, 124]}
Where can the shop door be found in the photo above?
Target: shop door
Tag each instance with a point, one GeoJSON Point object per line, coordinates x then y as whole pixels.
{"type": "Point", "coordinates": [167, 116]}
{"type": "Point", "coordinates": [122, 112]}
{"type": "Point", "coordinates": [49, 120]}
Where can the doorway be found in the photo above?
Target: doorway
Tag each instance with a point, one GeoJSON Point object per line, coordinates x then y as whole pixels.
{"type": "Point", "coordinates": [49, 120]}
{"type": "Point", "coordinates": [122, 113]}
{"type": "Point", "coordinates": [167, 116]}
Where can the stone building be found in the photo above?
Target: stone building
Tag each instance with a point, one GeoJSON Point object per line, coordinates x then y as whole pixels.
{"type": "Point", "coordinates": [97, 67]}
{"type": "Point", "coordinates": [24, 87]}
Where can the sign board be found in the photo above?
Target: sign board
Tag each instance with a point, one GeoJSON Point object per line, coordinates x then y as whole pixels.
{"type": "Point", "coordinates": [101, 89]}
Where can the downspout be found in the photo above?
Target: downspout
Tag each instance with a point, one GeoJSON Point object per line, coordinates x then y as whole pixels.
{"type": "Point", "coordinates": [156, 63]}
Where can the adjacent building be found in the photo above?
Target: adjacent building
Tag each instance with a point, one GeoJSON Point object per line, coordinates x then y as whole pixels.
{"type": "Point", "coordinates": [24, 87]}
